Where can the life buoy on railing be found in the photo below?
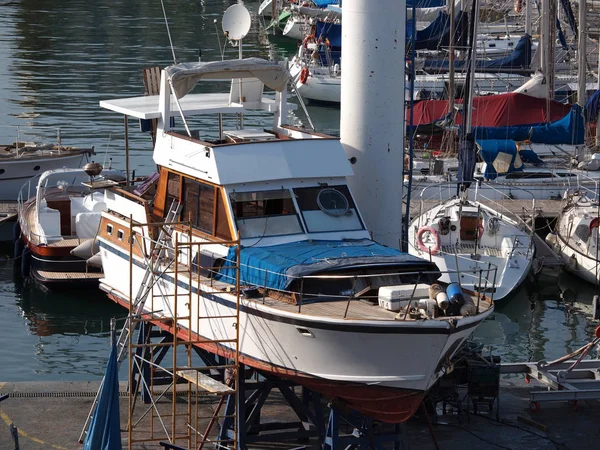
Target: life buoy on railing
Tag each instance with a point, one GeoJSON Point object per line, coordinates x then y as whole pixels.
{"type": "Point", "coordinates": [308, 39]}
{"type": "Point", "coordinates": [304, 75]}
{"type": "Point", "coordinates": [436, 237]}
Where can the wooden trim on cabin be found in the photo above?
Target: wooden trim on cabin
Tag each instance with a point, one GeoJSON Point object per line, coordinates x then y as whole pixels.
{"type": "Point", "coordinates": [122, 242]}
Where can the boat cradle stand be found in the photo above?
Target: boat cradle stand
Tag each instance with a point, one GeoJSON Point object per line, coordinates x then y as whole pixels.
{"type": "Point", "coordinates": [570, 380]}
{"type": "Point", "coordinates": [336, 430]}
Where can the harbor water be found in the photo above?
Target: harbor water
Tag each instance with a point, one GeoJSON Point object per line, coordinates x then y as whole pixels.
{"type": "Point", "coordinates": [58, 60]}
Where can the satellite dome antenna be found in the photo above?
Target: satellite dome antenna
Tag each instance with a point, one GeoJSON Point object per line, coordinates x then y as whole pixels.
{"type": "Point", "coordinates": [236, 24]}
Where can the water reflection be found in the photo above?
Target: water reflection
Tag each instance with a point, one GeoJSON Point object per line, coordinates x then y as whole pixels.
{"type": "Point", "coordinates": [542, 321]}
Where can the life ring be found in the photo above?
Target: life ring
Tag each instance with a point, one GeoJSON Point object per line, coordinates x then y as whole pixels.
{"type": "Point", "coordinates": [304, 75]}
{"type": "Point", "coordinates": [307, 39]}
{"type": "Point", "coordinates": [436, 237]}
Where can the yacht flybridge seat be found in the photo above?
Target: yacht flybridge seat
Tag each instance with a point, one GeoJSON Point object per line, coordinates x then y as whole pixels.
{"type": "Point", "coordinates": [286, 266]}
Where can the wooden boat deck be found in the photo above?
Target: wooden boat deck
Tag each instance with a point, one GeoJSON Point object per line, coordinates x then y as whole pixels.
{"type": "Point", "coordinates": [339, 308]}
{"type": "Point", "coordinates": [70, 275]}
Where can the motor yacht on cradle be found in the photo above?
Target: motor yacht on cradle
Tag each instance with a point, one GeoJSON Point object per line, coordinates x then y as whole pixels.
{"type": "Point", "coordinates": [325, 306]}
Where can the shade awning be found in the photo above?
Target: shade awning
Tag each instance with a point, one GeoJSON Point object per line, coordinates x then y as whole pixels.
{"type": "Point", "coordinates": [185, 76]}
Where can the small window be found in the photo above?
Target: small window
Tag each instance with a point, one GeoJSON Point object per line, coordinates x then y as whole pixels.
{"type": "Point", "coordinates": [120, 235]}
{"type": "Point", "coordinates": [109, 229]}
{"type": "Point", "coordinates": [492, 45]}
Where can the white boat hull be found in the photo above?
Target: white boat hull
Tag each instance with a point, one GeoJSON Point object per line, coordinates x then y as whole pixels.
{"type": "Point", "coordinates": [16, 172]}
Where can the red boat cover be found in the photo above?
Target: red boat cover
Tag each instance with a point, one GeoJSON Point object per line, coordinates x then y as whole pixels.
{"type": "Point", "coordinates": [493, 110]}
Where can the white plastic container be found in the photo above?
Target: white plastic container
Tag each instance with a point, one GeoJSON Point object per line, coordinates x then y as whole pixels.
{"type": "Point", "coordinates": [393, 298]}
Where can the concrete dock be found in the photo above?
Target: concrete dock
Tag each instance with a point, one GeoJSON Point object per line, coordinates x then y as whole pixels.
{"type": "Point", "coordinates": [50, 415]}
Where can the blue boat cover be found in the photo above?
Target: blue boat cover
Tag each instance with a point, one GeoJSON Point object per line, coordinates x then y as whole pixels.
{"type": "Point", "coordinates": [436, 34]}
{"type": "Point", "coordinates": [425, 3]}
{"type": "Point", "coordinates": [104, 432]}
{"type": "Point", "coordinates": [277, 266]}
{"type": "Point", "coordinates": [331, 31]}
{"type": "Point", "coordinates": [499, 154]}
{"type": "Point", "coordinates": [325, 3]}
{"type": "Point", "coordinates": [520, 58]}
{"type": "Point", "coordinates": [569, 130]}
{"type": "Point", "coordinates": [592, 106]}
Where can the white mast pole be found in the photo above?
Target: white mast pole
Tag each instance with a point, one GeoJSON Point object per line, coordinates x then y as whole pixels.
{"type": "Point", "coordinates": [528, 17]}
{"type": "Point", "coordinates": [372, 111]}
{"type": "Point", "coordinates": [581, 50]}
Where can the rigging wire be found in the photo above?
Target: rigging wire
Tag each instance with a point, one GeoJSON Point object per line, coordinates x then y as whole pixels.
{"type": "Point", "coordinates": [168, 31]}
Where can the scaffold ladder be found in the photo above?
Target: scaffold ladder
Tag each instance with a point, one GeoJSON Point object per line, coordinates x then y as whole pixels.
{"type": "Point", "coordinates": [162, 244]}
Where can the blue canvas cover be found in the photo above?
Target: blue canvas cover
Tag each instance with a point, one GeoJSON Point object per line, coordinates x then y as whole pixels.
{"type": "Point", "coordinates": [425, 3]}
{"type": "Point", "coordinates": [331, 31]}
{"type": "Point", "coordinates": [436, 34]}
{"type": "Point", "coordinates": [277, 266]}
{"type": "Point", "coordinates": [493, 150]}
{"type": "Point", "coordinates": [324, 3]}
{"type": "Point", "coordinates": [570, 130]}
{"type": "Point", "coordinates": [592, 106]}
{"type": "Point", "coordinates": [104, 432]}
{"type": "Point", "coordinates": [520, 58]}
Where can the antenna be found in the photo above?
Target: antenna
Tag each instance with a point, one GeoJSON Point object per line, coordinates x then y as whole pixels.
{"type": "Point", "coordinates": [236, 23]}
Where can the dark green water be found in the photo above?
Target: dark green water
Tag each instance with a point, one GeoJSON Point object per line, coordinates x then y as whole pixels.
{"type": "Point", "coordinates": [58, 59]}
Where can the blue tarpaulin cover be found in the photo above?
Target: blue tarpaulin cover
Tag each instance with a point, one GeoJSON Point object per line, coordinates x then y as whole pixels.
{"type": "Point", "coordinates": [592, 106]}
{"type": "Point", "coordinates": [569, 130]}
{"type": "Point", "coordinates": [104, 432]}
{"type": "Point", "coordinates": [494, 152]}
{"type": "Point", "coordinates": [324, 3]}
{"type": "Point", "coordinates": [425, 3]}
{"type": "Point", "coordinates": [277, 266]}
{"type": "Point", "coordinates": [331, 31]}
{"type": "Point", "coordinates": [520, 58]}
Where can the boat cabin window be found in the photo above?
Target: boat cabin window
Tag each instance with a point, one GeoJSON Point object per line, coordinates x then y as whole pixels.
{"type": "Point", "coordinates": [582, 232]}
{"type": "Point", "coordinates": [265, 213]}
{"type": "Point", "coordinates": [328, 208]}
{"type": "Point", "coordinates": [198, 204]}
{"type": "Point", "coordinates": [528, 175]}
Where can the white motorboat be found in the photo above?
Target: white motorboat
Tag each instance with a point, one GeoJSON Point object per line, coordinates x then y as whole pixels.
{"type": "Point", "coordinates": [265, 9]}
{"type": "Point", "coordinates": [467, 238]}
{"type": "Point", "coordinates": [58, 218]}
{"type": "Point", "coordinates": [297, 27]}
{"type": "Point", "coordinates": [326, 306]}
{"type": "Point", "coordinates": [21, 161]}
{"type": "Point", "coordinates": [575, 237]}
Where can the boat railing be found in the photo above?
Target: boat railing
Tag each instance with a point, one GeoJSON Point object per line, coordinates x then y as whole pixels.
{"type": "Point", "coordinates": [483, 281]}
{"type": "Point", "coordinates": [587, 187]}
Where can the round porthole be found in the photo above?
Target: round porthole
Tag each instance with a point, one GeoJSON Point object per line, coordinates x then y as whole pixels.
{"type": "Point", "coordinates": [453, 227]}
{"type": "Point", "coordinates": [332, 202]}
{"type": "Point", "coordinates": [2, 171]}
{"type": "Point", "coordinates": [36, 168]}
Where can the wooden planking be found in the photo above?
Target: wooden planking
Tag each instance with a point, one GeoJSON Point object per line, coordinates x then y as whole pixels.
{"type": "Point", "coordinates": [205, 382]}
{"type": "Point", "coordinates": [70, 275]}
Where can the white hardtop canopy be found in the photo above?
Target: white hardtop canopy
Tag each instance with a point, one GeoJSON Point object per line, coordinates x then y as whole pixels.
{"type": "Point", "coordinates": [184, 76]}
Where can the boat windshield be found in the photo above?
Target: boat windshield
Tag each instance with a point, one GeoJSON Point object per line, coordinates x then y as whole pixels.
{"type": "Point", "coordinates": [329, 208]}
{"type": "Point", "coordinates": [265, 213]}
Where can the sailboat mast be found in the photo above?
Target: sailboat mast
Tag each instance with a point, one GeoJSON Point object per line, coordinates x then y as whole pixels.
{"type": "Point", "coordinates": [581, 50]}
{"type": "Point", "coordinates": [528, 16]}
{"type": "Point", "coordinates": [471, 78]}
{"type": "Point", "coordinates": [451, 88]}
